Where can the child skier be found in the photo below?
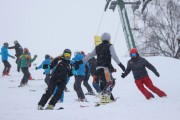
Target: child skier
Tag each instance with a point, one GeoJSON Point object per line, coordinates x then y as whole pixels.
{"type": "Point", "coordinates": [47, 62]}
{"type": "Point", "coordinates": [138, 66]}
{"type": "Point", "coordinates": [5, 55]}
{"type": "Point", "coordinates": [79, 76]}
{"type": "Point", "coordinates": [58, 78]}
{"type": "Point", "coordinates": [23, 63]}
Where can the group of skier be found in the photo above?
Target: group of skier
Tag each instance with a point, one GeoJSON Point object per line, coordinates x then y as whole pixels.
{"type": "Point", "coordinates": [58, 71]}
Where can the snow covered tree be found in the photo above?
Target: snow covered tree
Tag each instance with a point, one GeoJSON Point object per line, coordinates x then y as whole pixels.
{"type": "Point", "coordinates": [161, 28]}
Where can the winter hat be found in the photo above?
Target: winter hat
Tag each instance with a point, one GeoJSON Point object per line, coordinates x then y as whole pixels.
{"type": "Point", "coordinates": [26, 50]}
{"type": "Point", "coordinates": [133, 50]}
{"type": "Point", "coordinates": [67, 51]}
{"type": "Point", "coordinates": [6, 44]}
{"type": "Point", "coordinates": [106, 36]}
{"type": "Point", "coordinates": [15, 41]}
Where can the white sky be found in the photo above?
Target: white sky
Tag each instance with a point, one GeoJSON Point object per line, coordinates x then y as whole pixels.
{"type": "Point", "coordinates": [50, 26]}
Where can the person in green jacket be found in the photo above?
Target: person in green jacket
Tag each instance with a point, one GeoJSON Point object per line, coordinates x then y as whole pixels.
{"type": "Point", "coordinates": [23, 64]}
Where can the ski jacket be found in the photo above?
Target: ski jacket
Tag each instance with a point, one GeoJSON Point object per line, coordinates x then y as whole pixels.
{"type": "Point", "coordinates": [5, 54]}
{"type": "Point", "coordinates": [62, 67]}
{"type": "Point", "coordinates": [138, 68]}
{"type": "Point", "coordinates": [45, 62]}
{"type": "Point", "coordinates": [81, 70]}
{"type": "Point", "coordinates": [18, 49]}
{"type": "Point", "coordinates": [104, 52]}
{"type": "Point", "coordinates": [24, 60]}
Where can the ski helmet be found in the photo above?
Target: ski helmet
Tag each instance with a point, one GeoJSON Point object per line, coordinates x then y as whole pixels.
{"type": "Point", "coordinates": [67, 53]}
{"type": "Point", "coordinates": [26, 50]}
{"type": "Point", "coordinates": [15, 41]}
{"type": "Point", "coordinates": [133, 50]}
{"type": "Point", "coordinates": [6, 44]}
{"type": "Point", "coordinates": [106, 37]}
{"type": "Point", "coordinates": [47, 56]}
{"type": "Point", "coordinates": [76, 52]}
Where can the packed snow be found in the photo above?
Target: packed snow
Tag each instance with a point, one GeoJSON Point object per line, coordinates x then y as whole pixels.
{"type": "Point", "coordinates": [20, 103]}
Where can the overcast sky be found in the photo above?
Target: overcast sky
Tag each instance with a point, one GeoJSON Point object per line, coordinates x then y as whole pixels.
{"type": "Point", "coordinates": [50, 26]}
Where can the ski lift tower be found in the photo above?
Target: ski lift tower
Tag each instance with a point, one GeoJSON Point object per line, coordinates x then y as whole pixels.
{"type": "Point", "coordinates": [124, 18]}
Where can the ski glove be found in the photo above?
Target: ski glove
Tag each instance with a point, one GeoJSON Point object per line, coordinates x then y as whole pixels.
{"type": "Point", "coordinates": [123, 75]}
{"type": "Point", "coordinates": [122, 66]}
{"type": "Point", "coordinates": [157, 74]}
{"type": "Point", "coordinates": [77, 63]}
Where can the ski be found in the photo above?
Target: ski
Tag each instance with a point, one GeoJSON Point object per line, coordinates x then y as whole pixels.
{"type": "Point", "coordinates": [83, 106]}
{"type": "Point", "coordinates": [102, 103]}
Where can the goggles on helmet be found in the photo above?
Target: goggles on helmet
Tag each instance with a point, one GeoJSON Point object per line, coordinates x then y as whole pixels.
{"type": "Point", "coordinates": [67, 55]}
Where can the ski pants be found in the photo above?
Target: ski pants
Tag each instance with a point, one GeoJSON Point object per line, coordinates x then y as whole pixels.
{"type": "Point", "coordinates": [146, 81]}
{"type": "Point", "coordinates": [47, 78]}
{"type": "Point", "coordinates": [26, 75]}
{"type": "Point", "coordinates": [60, 82]}
{"type": "Point", "coordinates": [77, 86]}
{"type": "Point", "coordinates": [103, 80]}
{"type": "Point", "coordinates": [7, 67]}
{"type": "Point", "coordinates": [86, 84]}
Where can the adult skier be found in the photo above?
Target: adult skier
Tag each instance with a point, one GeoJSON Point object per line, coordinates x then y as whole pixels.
{"type": "Point", "coordinates": [138, 66]}
{"type": "Point", "coordinates": [5, 54]}
{"type": "Point", "coordinates": [59, 78]}
{"type": "Point", "coordinates": [104, 52]}
{"type": "Point", "coordinates": [18, 49]}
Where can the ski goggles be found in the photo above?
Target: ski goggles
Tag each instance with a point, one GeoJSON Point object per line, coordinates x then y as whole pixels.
{"type": "Point", "coordinates": [67, 55]}
{"type": "Point", "coordinates": [133, 55]}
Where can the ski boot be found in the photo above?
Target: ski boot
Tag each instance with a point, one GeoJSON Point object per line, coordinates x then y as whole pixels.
{"type": "Point", "coordinates": [50, 107]}
{"type": "Point", "coordinates": [40, 107]}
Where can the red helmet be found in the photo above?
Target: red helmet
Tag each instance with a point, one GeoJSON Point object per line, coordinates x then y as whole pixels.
{"type": "Point", "coordinates": [26, 50]}
{"type": "Point", "coordinates": [133, 50]}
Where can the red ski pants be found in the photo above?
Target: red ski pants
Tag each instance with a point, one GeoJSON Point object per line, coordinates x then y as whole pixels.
{"type": "Point", "coordinates": [148, 83]}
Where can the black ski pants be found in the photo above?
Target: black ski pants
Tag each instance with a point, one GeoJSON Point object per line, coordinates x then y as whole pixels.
{"type": "Point", "coordinates": [59, 81]}
{"type": "Point", "coordinates": [103, 82]}
{"type": "Point", "coordinates": [26, 75]}
{"type": "Point", "coordinates": [77, 86]}
{"type": "Point", "coordinates": [86, 84]}
{"type": "Point", "coordinates": [47, 79]}
{"type": "Point", "coordinates": [7, 66]}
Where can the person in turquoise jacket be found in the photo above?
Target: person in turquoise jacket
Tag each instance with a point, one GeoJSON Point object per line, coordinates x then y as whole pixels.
{"type": "Point", "coordinates": [47, 62]}
{"type": "Point", "coordinates": [5, 54]}
{"type": "Point", "coordinates": [79, 73]}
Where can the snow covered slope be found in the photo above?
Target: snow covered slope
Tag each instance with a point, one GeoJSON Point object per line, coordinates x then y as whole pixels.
{"type": "Point", "coordinates": [21, 103]}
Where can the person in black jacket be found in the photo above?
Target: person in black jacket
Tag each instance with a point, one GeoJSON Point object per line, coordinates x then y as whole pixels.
{"type": "Point", "coordinates": [138, 66]}
{"type": "Point", "coordinates": [104, 52]}
{"type": "Point", "coordinates": [58, 78]}
{"type": "Point", "coordinates": [18, 49]}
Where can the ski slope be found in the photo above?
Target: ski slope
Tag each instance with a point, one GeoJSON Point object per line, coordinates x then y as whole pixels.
{"type": "Point", "coordinates": [21, 103]}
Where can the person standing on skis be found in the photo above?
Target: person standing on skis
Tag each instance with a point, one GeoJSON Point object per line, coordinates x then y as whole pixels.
{"type": "Point", "coordinates": [138, 66]}
{"type": "Point", "coordinates": [104, 52]}
{"type": "Point", "coordinates": [5, 54]}
{"type": "Point", "coordinates": [23, 64]}
{"type": "Point", "coordinates": [58, 78]}
{"type": "Point", "coordinates": [18, 49]}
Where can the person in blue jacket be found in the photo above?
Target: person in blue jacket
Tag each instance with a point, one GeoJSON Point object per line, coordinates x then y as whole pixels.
{"type": "Point", "coordinates": [79, 73]}
{"type": "Point", "coordinates": [5, 54]}
{"type": "Point", "coordinates": [47, 62]}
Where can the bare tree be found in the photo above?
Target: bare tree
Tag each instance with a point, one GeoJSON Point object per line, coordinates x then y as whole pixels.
{"type": "Point", "coordinates": [162, 26]}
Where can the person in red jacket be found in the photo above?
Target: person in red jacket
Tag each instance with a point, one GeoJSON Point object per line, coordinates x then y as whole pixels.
{"type": "Point", "coordinates": [138, 66]}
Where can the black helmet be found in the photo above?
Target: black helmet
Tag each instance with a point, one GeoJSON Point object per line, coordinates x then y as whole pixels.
{"type": "Point", "coordinates": [6, 44]}
{"type": "Point", "coordinates": [47, 56]}
{"type": "Point", "coordinates": [67, 51]}
{"type": "Point", "coordinates": [15, 41]}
